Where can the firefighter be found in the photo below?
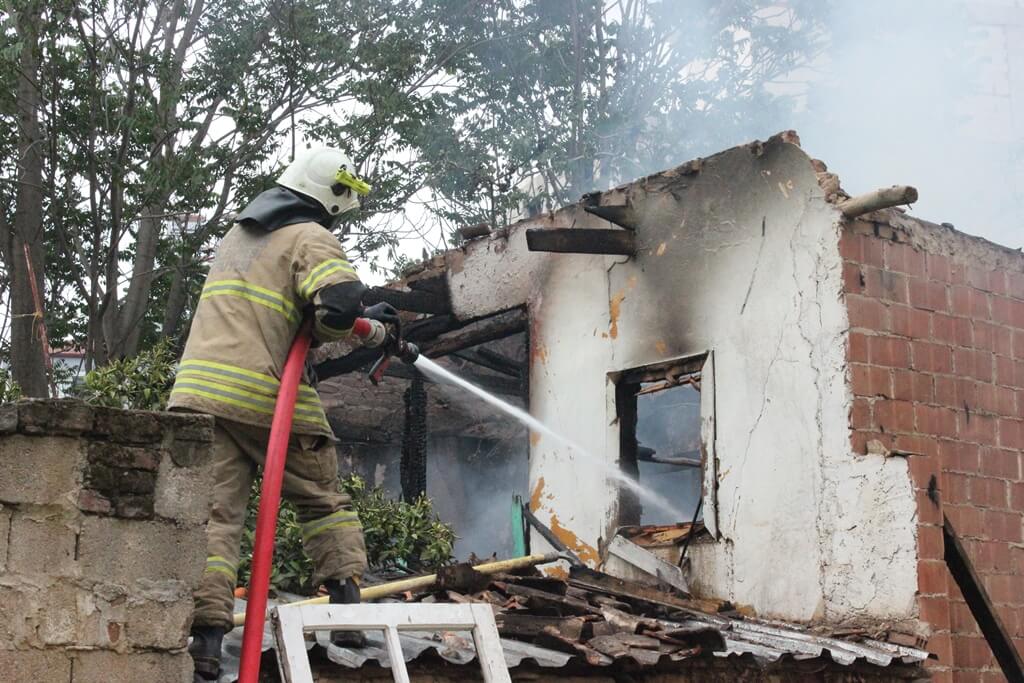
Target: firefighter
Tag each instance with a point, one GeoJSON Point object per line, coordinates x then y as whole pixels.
{"type": "Point", "coordinates": [278, 263]}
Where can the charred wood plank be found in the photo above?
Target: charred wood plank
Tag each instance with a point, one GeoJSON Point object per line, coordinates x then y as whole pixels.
{"type": "Point", "coordinates": [581, 241]}
{"type": "Point", "coordinates": [599, 582]}
{"type": "Point", "coordinates": [528, 626]}
{"type": "Point", "coordinates": [980, 604]}
{"type": "Point", "coordinates": [475, 357]}
{"type": "Point", "coordinates": [512, 367]}
{"type": "Point", "coordinates": [479, 331]}
{"type": "Point", "coordinates": [539, 599]}
{"type": "Point", "coordinates": [436, 284]}
{"type": "Point", "coordinates": [622, 216]}
{"type": "Point", "coordinates": [415, 301]}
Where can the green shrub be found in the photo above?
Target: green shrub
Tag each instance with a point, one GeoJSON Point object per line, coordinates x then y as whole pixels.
{"type": "Point", "coordinates": [10, 391]}
{"type": "Point", "coordinates": [142, 382]}
{"type": "Point", "coordinates": [398, 535]}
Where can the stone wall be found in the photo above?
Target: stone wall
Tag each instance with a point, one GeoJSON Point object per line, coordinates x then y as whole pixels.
{"type": "Point", "coordinates": [936, 355]}
{"type": "Point", "coordinates": [102, 539]}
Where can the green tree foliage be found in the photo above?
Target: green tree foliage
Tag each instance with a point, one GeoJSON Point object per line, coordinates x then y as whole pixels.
{"type": "Point", "coordinates": [398, 535]}
{"type": "Point", "coordinates": [142, 382]}
{"type": "Point", "coordinates": [9, 389]}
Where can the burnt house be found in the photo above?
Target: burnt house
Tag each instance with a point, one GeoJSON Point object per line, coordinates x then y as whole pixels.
{"type": "Point", "coordinates": [832, 388]}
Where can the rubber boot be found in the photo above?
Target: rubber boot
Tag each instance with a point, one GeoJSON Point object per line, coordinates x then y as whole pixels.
{"type": "Point", "coordinates": [345, 594]}
{"type": "Point", "coordinates": [205, 651]}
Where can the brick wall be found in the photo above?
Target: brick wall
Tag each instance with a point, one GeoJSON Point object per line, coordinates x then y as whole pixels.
{"type": "Point", "coordinates": [102, 540]}
{"type": "Point", "coordinates": [936, 351]}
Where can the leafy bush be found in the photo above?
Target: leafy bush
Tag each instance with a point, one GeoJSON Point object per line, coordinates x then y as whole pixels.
{"type": "Point", "coordinates": [398, 535]}
{"type": "Point", "coordinates": [142, 382]}
{"type": "Point", "coordinates": [9, 389]}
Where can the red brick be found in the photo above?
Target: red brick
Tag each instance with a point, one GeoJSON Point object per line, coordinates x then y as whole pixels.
{"type": "Point", "coordinates": [905, 259]}
{"type": "Point", "coordinates": [931, 577]}
{"type": "Point", "coordinates": [956, 488]}
{"type": "Point", "coordinates": [929, 543]}
{"type": "Point", "coordinates": [984, 398]}
{"type": "Point", "coordinates": [937, 267]}
{"type": "Point", "coordinates": [1017, 344]}
{"type": "Point", "coordinates": [1017, 558]}
{"type": "Point", "coordinates": [977, 277]}
{"type": "Point", "coordinates": [909, 322]}
{"type": "Point", "coordinates": [851, 246]}
{"type": "Point", "coordinates": [872, 251]}
{"type": "Point", "coordinates": [999, 462]}
{"type": "Point", "coordinates": [959, 456]}
{"type": "Point", "coordinates": [1011, 434]}
{"type": "Point", "coordinates": [885, 284]}
{"type": "Point", "coordinates": [966, 301]}
{"type": "Point", "coordinates": [889, 352]}
{"type": "Point", "coordinates": [930, 357]}
{"type": "Point", "coordinates": [860, 414]}
{"type": "Point", "coordinates": [853, 279]}
{"type": "Point", "coordinates": [971, 653]}
{"type": "Point", "coordinates": [960, 618]}
{"type": "Point", "coordinates": [867, 313]}
{"type": "Point", "coordinates": [860, 438]}
{"type": "Point", "coordinates": [893, 416]}
{"type": "Point", "coordinates": [1003, 526]}
{"type": "Point", "coordinates": [871, 381]}
{"type": "Point", "coordinates": [1004, 589]}
{"type": "Point", "coordinates": [973, 363]}
{"type": "Point", "coordinates": [956, 273]}
{"type": "Point", "coordinates": [922, 469]}
{"type": "Point", "coordinates": [915, 444]}
{"type": "Point", "coordinates": [989, 337]}
{"type": "Point", "coordinates": [1017, 496]}
{"type": "Point", "coordinates": [965, 676]}
{"type": "Point", "coordinates": [1006, 371]}
{"type": "Point", "coordinates": [990, 556]}
{"type": "Point", "coordinates": [927, 295]}
{"type": "Point", "coordinates": [908, 385]}
{"type": "Point", "coordinates": [949, 391]}
{"type": "Point", "coordinates": [1008, 312]}
{"type": "Point", "coordinates": [954, 331]}
{"type": "Point", "coordinates": [987, 492]}
{"type": "Point", "coordinates": [997, 283]}
{"type": "Point", "coordinates": [1015, 285]}
{"type": "Point", "coordinates": [968, 521]}
{"type": "Point", "coordinates": [1006, 401]}
{"type": "Point", "coordinates": [936, 421]}
{"type": "Point", "coordinates": [928, 512]}
{"type": "Point", "coordinates": [935, 611]}
{"type": "Point", "coordinates": [858, 348]}
{"type": "Point", "coordinates": [977, 428]}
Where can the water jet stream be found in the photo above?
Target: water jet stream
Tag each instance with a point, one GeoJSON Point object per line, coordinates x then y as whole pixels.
{"type": "Point", "coordinates": [444, 376]}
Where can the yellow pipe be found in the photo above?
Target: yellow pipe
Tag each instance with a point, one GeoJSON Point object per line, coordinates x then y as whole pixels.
{"type": "Point", "coordinates": [422, 582]}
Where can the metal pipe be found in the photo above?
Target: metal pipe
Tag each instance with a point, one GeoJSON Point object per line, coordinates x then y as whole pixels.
{"type": "Point", "coordinates": [423, 582]}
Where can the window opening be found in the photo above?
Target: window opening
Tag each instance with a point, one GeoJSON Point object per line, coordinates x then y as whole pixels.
{"type": "Point", "coordinates": [659, 410]}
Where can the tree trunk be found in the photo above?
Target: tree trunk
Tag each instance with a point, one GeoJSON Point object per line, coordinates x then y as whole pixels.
{"type": "Point", "coordinates": [27, 365]}
{"type": "Point", "coordinates": [177, 299]}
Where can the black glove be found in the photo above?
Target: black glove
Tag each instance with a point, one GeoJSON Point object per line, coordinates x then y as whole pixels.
{"type": "Point", "coordinates": [384, 312]}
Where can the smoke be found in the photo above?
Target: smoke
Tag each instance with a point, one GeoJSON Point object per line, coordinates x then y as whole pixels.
{"type": "Point", "coordinates": [923, 94]}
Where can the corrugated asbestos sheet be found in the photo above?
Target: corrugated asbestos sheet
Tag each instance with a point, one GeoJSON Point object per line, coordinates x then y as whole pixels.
{"type": "Point", "coordinates": [766, 643]}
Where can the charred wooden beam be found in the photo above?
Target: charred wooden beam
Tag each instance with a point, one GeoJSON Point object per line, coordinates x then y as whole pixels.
{"type": "Point", "coordinates": [581, 241]}
{"type": "Point", "coordinates": [469, 232]}
{"type": "Point", "coordinates": [495, 385]}
{"type": "Point", "coordinates": [622, 216]}
{"type": "Point", "coordinates": [437, 284]}
{"type": "Point", "coordinates": [477, 357]}
{"type": "Point", "coordinates": [477, 332]}
{"type": "Point", "coordinates": [415, 301]}
{"type": "Point", "coordinates": [512, 367]}
{"type": "Point", "coordinates": [978, 601]}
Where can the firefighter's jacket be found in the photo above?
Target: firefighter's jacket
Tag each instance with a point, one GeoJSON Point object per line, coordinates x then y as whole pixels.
{"type": "Point", "coordinates": [259, 287]}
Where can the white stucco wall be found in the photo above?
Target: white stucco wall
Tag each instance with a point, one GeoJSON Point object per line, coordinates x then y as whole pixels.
{"type": "Point", "coordinates": [740, 258]}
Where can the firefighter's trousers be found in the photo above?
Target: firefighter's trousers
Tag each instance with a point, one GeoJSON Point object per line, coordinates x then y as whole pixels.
{"type": "Point", "coordinates": [331, 533]}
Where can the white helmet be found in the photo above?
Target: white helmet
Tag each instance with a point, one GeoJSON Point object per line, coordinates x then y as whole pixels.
{"type": "Point", "coordinates": [327, 175]}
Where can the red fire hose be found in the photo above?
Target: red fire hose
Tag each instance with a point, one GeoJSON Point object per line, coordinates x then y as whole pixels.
{"type": "Point", "coordinates": [270, 502]}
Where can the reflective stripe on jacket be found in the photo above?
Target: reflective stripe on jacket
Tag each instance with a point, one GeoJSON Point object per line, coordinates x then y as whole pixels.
{"type": "Point", "coordinates": [259, 285]}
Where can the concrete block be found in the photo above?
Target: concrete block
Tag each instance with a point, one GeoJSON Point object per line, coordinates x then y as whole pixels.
{"type": "Point", "coordinates": [54, 416]}
{"type": "Point", "coordinates": [128, 426]}
{"type": "Point", "coordinates": [42, 541]}
{"type": "Point", "coordinates": [153, 624]}
{"type": "Point", "coordinates": [8, 418]}
{"type": "Point", "coordinates": [37, 666]}
{"type": "Point", "coordinates": [188, 426]}
{"type": "Point", "coordinates": [183, 493]}
{"type": "Point", "coordinates": [127, 457]}
{"type": "Point", "coordinates": [122, 551]}
{"type": "Point", "coordinates": [19, 614]}
{"type": "Point", "coordinates": [58, 622]}
{"type": "Point", "coordinates": [189, 453]}
{"type": "Point", "coordinates": [38, 470]}
{"type": "Point", "coordinates": [98, 666]}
